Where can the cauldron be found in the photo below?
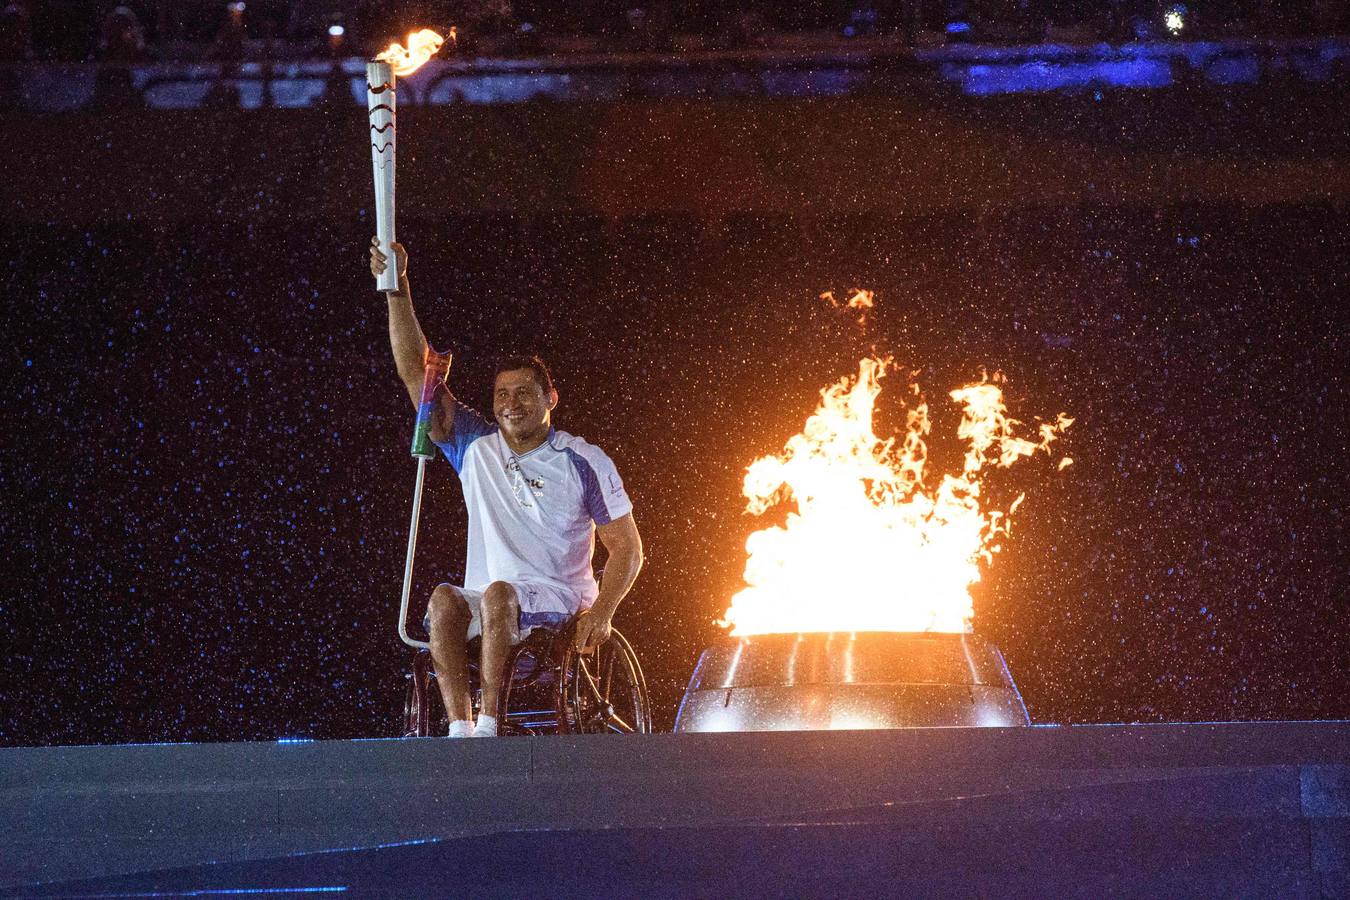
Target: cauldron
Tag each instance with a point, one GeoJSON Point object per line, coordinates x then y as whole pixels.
{"type": "Point", "coordinates": [846, 680]}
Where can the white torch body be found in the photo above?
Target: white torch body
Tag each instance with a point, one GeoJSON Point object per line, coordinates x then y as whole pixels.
{"type": "Point", "coordinates": [380, 101]}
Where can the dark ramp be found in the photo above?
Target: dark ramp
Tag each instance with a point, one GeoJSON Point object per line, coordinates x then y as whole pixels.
{"type": "Point", "coordinates": [1243, 809]}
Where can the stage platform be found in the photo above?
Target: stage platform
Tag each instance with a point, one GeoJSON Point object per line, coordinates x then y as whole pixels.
{"type": "Point", "coordinates": [1217, 809]}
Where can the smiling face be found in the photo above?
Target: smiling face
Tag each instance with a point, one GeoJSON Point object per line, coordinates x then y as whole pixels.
{"type": "Point", "coordinates": [521, 407]}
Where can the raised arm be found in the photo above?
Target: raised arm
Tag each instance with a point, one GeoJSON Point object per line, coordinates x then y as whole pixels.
{"type": "Point", "coordinates": [624, 544]}
{"type": "Point", "coordinates": [407, 341]}
{"type": "Point", "coordinates": [405, 334]}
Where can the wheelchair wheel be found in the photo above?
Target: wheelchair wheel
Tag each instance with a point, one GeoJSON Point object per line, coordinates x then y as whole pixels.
{"type": "Point", "coordinates": [603, 691]}
{"type": "Point", "coordinates": [423, 709]}
{"type": "Point", "coordinates": [527, 698]}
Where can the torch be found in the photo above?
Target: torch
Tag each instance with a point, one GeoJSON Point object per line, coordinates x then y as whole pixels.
{"type": "Point", "coordinates": [381, 97]}
{"type": "Point", "coordinates": [437, 367]}
{"type": "Point", "coordinates": [380, 100]}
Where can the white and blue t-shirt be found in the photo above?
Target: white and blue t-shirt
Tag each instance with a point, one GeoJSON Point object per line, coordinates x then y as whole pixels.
{"type": "Point", "coordinates": [532, 516]}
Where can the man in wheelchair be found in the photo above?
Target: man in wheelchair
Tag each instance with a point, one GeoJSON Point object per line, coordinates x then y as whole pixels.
{"type": "Point", "coordinates": [536, 498]}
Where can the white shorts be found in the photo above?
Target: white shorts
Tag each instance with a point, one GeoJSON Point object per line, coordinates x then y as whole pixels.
{"type": "Point", "coordinates": [537, 605]}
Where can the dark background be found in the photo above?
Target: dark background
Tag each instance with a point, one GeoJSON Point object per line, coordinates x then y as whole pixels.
{"type": "Point", "coordinates": [181, 29]}
{"type": "Point", "coordinates": [207, 480]}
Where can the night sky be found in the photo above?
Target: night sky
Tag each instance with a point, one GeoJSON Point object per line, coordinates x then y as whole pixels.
{"type": "Point", "coordinates": [207, 477]}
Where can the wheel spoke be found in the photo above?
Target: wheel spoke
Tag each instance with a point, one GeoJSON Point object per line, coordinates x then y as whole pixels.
{"type": "Point", "coordinates": [608, 679]}
{"type": "Point", "coordinates": [622, 727]}
{"type": "Point", "coordinates": [590, 683]}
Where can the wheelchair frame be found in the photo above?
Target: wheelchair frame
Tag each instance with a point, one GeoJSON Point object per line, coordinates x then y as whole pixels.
{"type": "Point", "coordinates": [547, 688]}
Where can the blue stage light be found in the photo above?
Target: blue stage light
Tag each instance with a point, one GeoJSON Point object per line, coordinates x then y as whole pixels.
{"type": "Point", "coordinates": [215, 892]}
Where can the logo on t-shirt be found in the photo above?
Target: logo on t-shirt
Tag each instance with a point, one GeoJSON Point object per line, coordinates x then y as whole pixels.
{"type": "Point", "coordinates": [522, 485]}
{"type": "Point", "coordinates": [615, 485]}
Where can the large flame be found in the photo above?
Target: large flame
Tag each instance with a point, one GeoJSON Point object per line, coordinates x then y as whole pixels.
{"type": "Point", "coordinates": [869, 546]}
{"type": "Point", "coordinates": [422, 46]}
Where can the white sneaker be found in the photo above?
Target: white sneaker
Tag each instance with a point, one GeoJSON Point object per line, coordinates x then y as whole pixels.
{"type": "Point", "coordinates": [460, 728]}
{"type": "Point", "coordinates": [486, 727]}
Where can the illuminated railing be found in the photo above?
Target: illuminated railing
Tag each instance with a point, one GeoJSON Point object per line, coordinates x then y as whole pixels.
{"type": "Point", "coordinates": [974, 70]}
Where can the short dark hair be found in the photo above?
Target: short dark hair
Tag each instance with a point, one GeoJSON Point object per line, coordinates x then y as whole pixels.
{"type": "Point", "coordinates": [533, 363]}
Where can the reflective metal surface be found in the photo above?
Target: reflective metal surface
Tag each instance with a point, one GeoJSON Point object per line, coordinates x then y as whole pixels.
{"type": "Point", "coordinates": [841, 680]}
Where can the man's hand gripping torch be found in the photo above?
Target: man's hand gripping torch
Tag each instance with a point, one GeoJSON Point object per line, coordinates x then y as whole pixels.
{"type": "Point", "coordinates": [437, 368]}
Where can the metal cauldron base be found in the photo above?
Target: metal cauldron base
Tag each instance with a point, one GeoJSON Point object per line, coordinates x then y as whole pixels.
{"type": "Point", "coordinates": [850, 680]}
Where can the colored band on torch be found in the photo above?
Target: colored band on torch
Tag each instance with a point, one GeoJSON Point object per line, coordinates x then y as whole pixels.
{"type": "Point", "coordinates": [437, 366]}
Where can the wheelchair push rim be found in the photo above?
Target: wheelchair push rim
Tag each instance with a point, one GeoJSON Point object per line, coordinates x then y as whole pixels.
{"type": "Point", "coordinates": [602, 691]}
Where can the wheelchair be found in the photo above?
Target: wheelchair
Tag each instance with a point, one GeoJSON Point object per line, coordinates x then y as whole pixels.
{"type": "Point", "coordinates": [548, 688]}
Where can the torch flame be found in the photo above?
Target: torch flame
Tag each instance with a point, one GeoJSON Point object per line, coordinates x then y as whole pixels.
{"type": "Point", "coordinates": [869, 547]}
{"type": "Point", "coordinates": [422, 45]}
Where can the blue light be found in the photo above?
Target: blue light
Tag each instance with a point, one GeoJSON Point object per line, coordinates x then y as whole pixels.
{"type": "Point", "coordinates": [295, 740]}
{"type": "Point", "coordinates": [958, 27]}
{"type": "Point", "coordinates": [983, 79]}
{"type": "Point", "coordinates": [207, 892]}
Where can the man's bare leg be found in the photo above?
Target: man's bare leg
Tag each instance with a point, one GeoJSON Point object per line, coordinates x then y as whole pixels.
{"type": "Point", "coordinates": [450, 617]}
{"type": "Point", "coordinates": [501, 616]}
